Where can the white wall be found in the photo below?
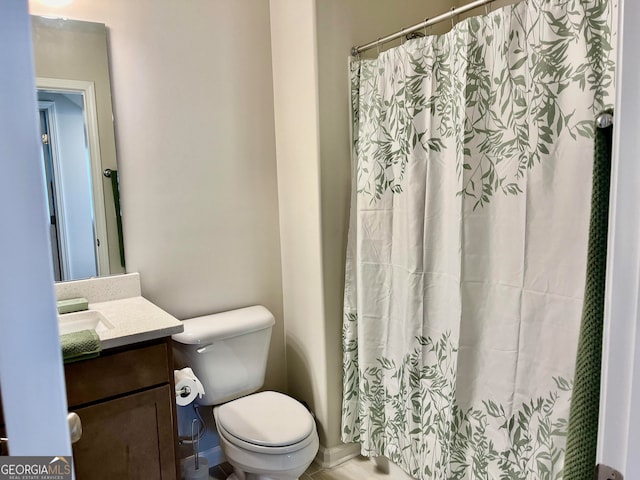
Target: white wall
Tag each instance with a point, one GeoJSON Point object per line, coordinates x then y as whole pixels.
{"type": "Point", "coordinates": [295, 95]}
{"type": "Point", "coordinates": [193, 103]}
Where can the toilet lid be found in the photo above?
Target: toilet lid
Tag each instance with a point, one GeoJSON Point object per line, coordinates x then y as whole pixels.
{"type": "Point", "coordinates": [269, 419]}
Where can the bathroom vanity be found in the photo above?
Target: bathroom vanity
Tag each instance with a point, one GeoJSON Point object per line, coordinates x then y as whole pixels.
{"type": "Point", "coordinates": [125, 400]}
{"type": "Point", "coordinates": [125, 397]}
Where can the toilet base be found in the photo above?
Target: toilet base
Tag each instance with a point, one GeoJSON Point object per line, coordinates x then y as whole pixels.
{"type": "Point", "coordinates": [249, 465]}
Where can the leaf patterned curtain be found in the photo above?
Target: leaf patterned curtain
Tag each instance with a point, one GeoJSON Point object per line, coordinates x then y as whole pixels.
{"type": "Point", "coordinates": [465, 268]}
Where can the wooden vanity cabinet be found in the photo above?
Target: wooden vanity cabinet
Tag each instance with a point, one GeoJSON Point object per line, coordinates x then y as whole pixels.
{"type": "Point", "coordinates": [125, 400]}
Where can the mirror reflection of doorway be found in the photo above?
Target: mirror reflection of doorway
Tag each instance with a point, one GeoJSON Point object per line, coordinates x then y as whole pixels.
{"type": "Point", "coordinates": [67, 173]}
{"type": "Point", "coordinates": [52, 196]}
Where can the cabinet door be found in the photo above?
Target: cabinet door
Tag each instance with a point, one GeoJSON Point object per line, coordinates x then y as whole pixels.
{"type": "Point", "coordinates": [127, 438]}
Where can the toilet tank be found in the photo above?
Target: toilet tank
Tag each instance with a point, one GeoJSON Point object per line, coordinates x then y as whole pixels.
{"type": "Point", "coordinates": [227, 352]}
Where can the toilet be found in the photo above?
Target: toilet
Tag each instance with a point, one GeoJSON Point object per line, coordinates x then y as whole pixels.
{"type": "Point", "coordinates": [265, 435]}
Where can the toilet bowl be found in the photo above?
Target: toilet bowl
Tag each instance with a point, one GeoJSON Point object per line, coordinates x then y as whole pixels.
{"type": "Point", "coordinates": [265, 435]}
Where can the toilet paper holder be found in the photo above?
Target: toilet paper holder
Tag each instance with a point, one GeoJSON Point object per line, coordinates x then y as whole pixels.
{"type": "Point", "coordinates": [183, 392]}
{"type": "Point", "coordinates": [187, 386]}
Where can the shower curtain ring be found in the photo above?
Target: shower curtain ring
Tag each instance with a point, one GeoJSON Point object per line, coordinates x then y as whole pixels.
{"type": "Point", "coordinates": [378, 45]}
{"type": "Point", "coordinates": [487, 7]}
{"type": "Point", "coordinates": [453, 14]}
{"type": "Point", "coordinates": [426, 20]}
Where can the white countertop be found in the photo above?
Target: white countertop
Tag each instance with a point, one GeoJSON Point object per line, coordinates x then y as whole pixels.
{"type": "Point", "coordinates": [134, 320]}
{"type": "Point", "coordinates": [118, 299]}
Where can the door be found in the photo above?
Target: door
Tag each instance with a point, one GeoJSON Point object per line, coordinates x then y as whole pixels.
{"type": "Point", "coordinates": [30, 359]}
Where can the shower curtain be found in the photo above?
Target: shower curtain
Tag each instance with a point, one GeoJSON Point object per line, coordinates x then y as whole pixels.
{"type": "Point", "coordinates": [466, 258]}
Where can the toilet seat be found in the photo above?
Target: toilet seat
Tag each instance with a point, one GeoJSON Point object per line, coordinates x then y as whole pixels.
{"type": "Point", "coordinates": [266, 422]}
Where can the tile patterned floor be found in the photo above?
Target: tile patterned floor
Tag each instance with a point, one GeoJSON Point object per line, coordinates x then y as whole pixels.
{"type": "Point", "coordinates": [358, 468]}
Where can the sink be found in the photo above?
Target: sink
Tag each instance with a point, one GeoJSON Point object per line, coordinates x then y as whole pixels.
{"type": "Point", "coordinates": [86, 320]}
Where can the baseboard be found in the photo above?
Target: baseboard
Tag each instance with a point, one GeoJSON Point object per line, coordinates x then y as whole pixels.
{"type": "Point", "coordinates": [334, 456]}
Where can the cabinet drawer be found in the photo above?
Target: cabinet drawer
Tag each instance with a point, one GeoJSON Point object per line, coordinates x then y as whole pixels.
{"type": "Point", "coordinates": [117, 373]}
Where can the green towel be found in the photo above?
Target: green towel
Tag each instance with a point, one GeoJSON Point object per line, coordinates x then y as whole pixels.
{"type": "Point", "coordinates": [580, 457]}
{"type": "Point", "coordinates": [115, 182]}
{"type": "Point", "coordinates": [80, 345]}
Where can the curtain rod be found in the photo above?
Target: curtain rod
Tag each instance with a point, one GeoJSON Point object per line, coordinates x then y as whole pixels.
{"type": "Point", "coordinates": [426, 23]}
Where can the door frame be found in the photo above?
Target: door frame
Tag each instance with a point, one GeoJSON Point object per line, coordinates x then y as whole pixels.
{"type": "Point", "coordinates": [31, 371]}
{"type": "Point", "coordinates": [63, 247]}
{"type": "Point", "coordinates": [619, 426]}
{"type": "Point", "coordinates": [87, 89]}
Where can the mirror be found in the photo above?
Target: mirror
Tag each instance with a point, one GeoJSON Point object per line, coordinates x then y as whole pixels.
{"type": "Point", "coordinates": [78, 147]}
